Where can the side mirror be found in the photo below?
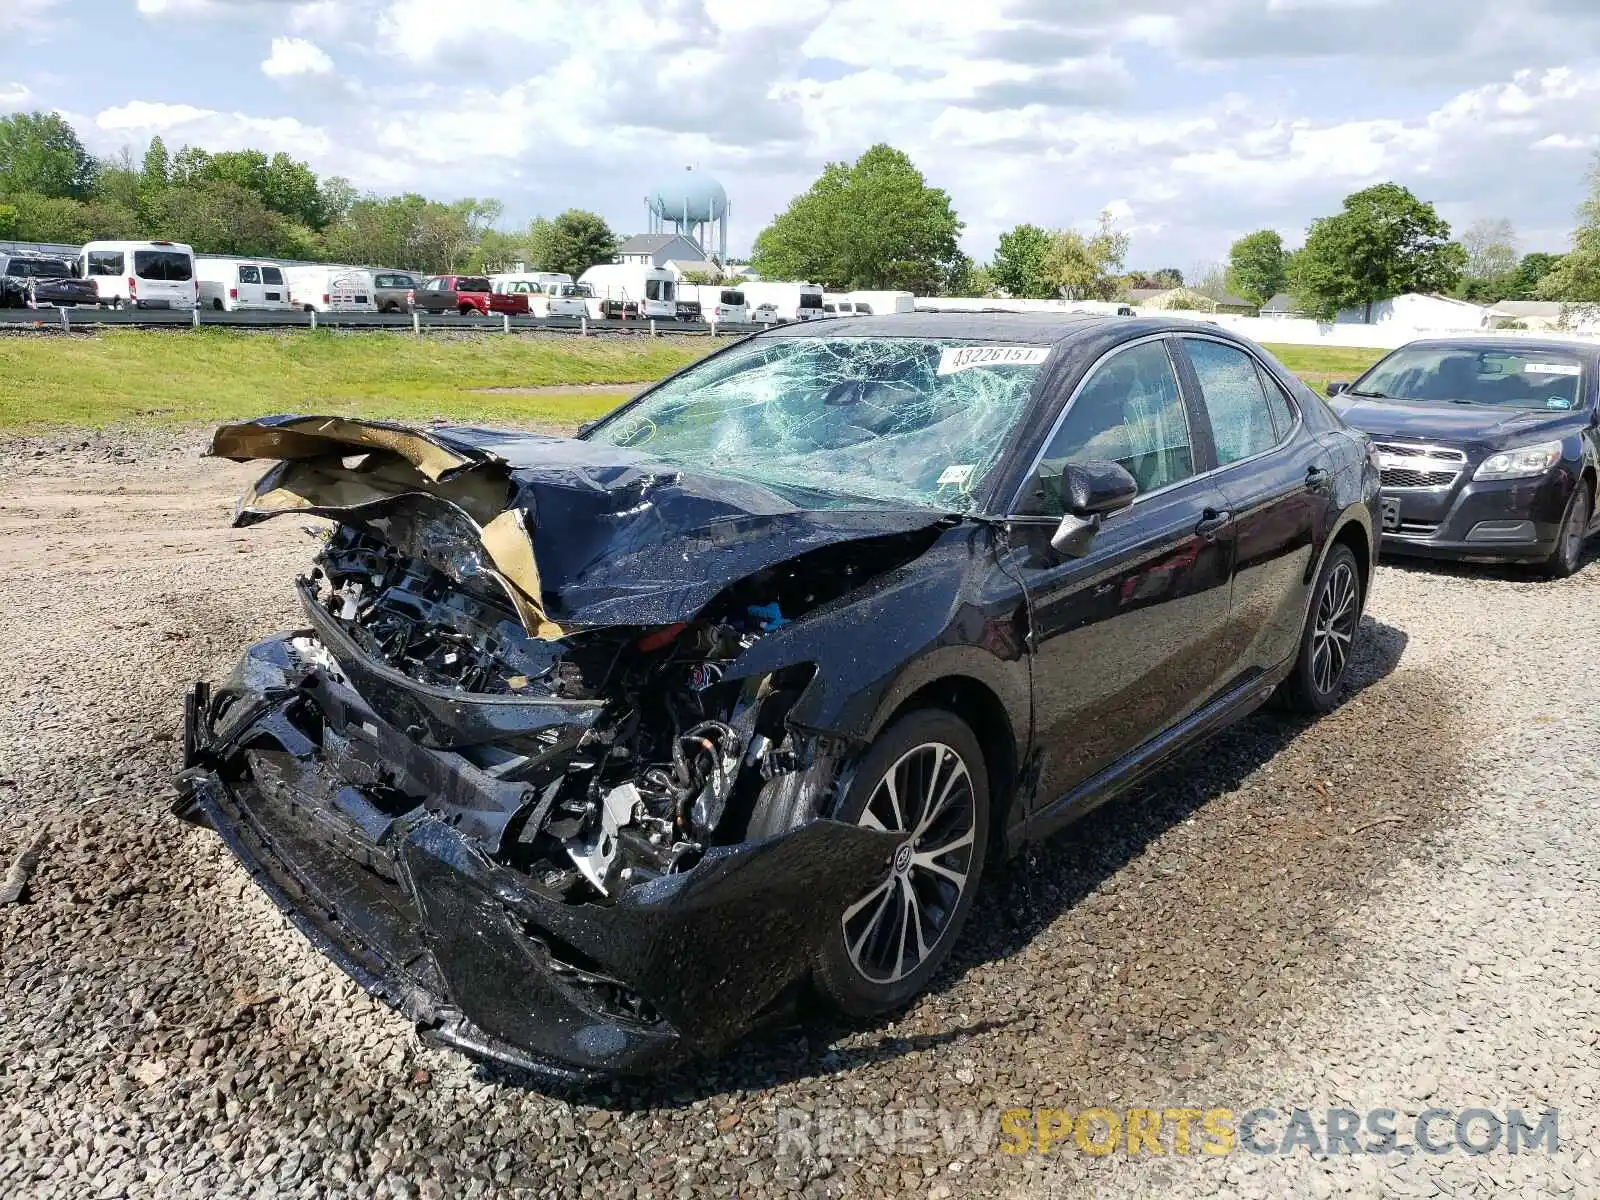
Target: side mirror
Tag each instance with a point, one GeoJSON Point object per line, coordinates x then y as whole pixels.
{"type": "Point", "coordinates": [1333, 389]}
{"type": "Point", "coordinates": [1084, 492]}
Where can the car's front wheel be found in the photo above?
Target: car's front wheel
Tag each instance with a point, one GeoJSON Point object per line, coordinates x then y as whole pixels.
{"type": "Point", "coordinates": [1564, 559]}
{"type": "Point", "coordinates": [1329, 637]}
{"type": "Point", "coordinates": [924, 780]}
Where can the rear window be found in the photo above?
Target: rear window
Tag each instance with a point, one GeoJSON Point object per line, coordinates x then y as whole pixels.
{"type": "Point", "coordinates": [271, 275]}
{"type": "Point", "coordinates": [810, 300]}
{"type": "Point", "coordinates": [658, 289]}
{"type": "Point", "coordinates": [731, 297]}
{"type": "Point", "coordinates": [472, 283]}
{"type": "Point", "coordinates": [249, 274]}
{"type": "Point", "coordinates": [163, 264]}
{"type": "Point", "coordinates": [105, 262]}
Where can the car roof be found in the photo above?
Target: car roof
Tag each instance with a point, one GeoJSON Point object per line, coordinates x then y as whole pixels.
{"type": "Point", "coordinates": [1036, 328]}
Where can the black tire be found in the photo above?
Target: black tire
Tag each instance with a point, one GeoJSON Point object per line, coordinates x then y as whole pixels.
{"type": "Point", "coordinates": [1319, 668]}
{"type": "Point", "coordinates": [864, 968]}
{"type": "Point", "coordinates": [1568, 554]}
{"type": "Point", "coordinates": [216, 305]}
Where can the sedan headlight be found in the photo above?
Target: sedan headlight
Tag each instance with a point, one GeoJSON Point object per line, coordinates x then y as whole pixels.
{"type": "Point", "coordinates": [1520, 463]}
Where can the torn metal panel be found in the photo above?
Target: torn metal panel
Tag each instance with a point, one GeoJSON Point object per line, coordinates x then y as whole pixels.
{"type": "Point", "coordinates": [633, 541]}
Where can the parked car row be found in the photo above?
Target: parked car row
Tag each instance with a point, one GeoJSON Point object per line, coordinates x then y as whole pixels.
{"type": "Point", "coordinates": [162, 274]}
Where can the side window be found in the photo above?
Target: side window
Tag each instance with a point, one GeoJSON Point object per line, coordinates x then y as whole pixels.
{"type": "Point", "coordinates": [1131, 413]}
{"type": "Point", "coordinates": [1241, 422]}
{"type": "Point", "coordinates": [249, 274]}
{"type": "Point", "coordinates": [1278, 402]}
{"type": "Point", "coordinates": [105, 262]}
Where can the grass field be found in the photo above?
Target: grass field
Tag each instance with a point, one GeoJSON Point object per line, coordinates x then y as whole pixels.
{"type": "Point", "coordinates": [140, 377]}
{"type": "Point", "coordinates": [144, 377]}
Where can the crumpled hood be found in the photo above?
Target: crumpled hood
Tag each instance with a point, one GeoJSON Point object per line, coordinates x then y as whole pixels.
{"type": "Point", "coordinates": [616, 538]}
{"type": "Point", "coordinates": [1451, 422]}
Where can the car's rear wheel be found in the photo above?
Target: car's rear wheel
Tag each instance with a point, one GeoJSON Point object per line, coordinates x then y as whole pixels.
{"type": "Point", "coordinates": [924, 779]}
{"type": "Point", "coordinates": [1564, 559]}
{"type": "Point", "coordinates": [1329, 638]}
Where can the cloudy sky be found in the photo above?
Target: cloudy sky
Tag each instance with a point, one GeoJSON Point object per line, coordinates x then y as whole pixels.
{"type": "Point", "coordinates": [1193, 120]}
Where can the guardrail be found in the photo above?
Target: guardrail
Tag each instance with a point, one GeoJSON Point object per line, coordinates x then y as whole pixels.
{"type": "Point", "coordinates": [45, 320]}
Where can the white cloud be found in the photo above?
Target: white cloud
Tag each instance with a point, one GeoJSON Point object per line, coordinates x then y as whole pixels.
{"type": "Point", "coordinates": [295, 56]}
{"type": "Point", "coordinates": [14, 96]}
{"type": "Point", "coordinates": [27, 16]}
{"type": "Point", "coordinates": [213, 130]}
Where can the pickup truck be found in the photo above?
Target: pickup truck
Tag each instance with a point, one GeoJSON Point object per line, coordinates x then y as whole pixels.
{"type": "Point", "coordinates": [469, 295]}
{"type": "Point", "coordinates": [28, 281]}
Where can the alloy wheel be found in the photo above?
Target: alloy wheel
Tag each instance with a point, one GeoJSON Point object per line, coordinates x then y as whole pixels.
{"type": "Point", "coordinates": [927, 796]}
{"type": "Point", "coordinates": [1335, 627]}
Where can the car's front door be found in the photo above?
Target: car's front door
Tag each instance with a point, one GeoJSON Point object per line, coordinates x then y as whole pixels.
{"type": "Point", "coordinates": [1128, 638]}
{"type": "Point", "coordinates": [1278, 487]}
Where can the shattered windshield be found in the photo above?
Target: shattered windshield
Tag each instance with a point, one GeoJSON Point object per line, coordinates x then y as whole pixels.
{"type": "Point", "coordinates": [902, 420]}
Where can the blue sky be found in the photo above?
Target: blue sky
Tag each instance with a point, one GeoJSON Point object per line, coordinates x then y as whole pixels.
{"type": "Point", "coordinates": [1193, 121]}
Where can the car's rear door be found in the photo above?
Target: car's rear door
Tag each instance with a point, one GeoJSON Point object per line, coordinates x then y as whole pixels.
{"type": "Point", "coordinates": [274, 288]}
{"type": "Point", "coordinates": [1128, 639]}
{"type": "Point", "coordinates": [1278, 482]}
{"type": "Point", "coordinates": [250, 293]}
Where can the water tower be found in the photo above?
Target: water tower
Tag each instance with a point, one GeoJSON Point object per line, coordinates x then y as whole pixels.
{"type": "Point", "coordinates": [695, 205]}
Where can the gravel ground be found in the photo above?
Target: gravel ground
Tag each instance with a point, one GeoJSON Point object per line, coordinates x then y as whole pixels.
{"type": "Point", "coordinates": [1395, 906]}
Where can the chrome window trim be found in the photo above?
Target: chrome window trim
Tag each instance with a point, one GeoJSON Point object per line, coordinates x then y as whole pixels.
{"type": "Point", "coordinates": [1299, 422]}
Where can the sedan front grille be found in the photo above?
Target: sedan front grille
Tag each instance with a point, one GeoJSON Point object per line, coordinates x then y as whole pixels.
{"type": "Point", "coordinates": [1401, 478]}
{"type": "Point", "coordinates": [1418, 466]}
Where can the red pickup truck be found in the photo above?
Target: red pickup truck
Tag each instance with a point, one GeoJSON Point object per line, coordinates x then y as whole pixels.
{"type": "Point", "coordinates": [469, 295]}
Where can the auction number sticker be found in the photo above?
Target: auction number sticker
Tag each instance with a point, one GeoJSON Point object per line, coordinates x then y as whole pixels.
{"type": "Point", "coordinates": [1552, 369]}
{"type": "Point", "coordinates": [964, 358]}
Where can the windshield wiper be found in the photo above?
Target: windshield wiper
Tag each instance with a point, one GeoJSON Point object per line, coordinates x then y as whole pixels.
{"type": "Point", "coordinates": [1370, 395]}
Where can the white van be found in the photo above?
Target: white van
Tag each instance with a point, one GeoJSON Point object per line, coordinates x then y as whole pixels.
{"type": "Point", "coordinates": [242, 284]}
{"type": "Point", "coordinates": [718, 303]}
{"type": "Point", "coordinates": [794, 301]}
{"type": "Point", "coordinates": [141, 274]}
{"type": "Point", "coordinates": [321, 288]}
{"type": "Point", "coordinates": [632, 290]}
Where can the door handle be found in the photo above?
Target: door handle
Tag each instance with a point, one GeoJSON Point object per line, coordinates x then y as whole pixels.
{"type": "Point", "coordinates": [1317, 479]}
{"type": "Point", "coordinates": [1212, 522]}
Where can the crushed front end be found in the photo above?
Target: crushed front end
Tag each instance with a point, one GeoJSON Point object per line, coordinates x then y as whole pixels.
{"type": "Point", "coordinates": [581, 850]}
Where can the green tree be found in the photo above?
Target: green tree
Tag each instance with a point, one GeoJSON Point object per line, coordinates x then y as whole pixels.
{"type": "Point", "coordinates": [157, 165]}
{"type": "Point", "coordinates": [1018, 264]}
{"type": "Point", "coordinates": [217, 217]}
{"type": "Point", "coordinates": [874, 223]}
{"type": "Point", "coordinates": [1256, 266]}
{"type": "Point", "coordinates": [118, 181]}
{"type": "Point", "coordinates": [1086, 266]}
{"type": "Point", "coordinates": [1530, 272]}
{"type": "Point", "coordinates": [573, 242]}
{"type": "Point", "coordinates": [1576, 278]}
{"type": "Point", "coordinates": [1384, 243]}
{"type": "Point", "coordinates": [40, 153]}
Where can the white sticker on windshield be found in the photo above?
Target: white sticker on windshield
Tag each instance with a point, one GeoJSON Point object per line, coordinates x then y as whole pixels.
{"type": "Point", "coordinates": [957, 475]}
{"type": "Point", "coordinates": [965, 358]}
{"type": "Point", "coordinates": [1552, 369]}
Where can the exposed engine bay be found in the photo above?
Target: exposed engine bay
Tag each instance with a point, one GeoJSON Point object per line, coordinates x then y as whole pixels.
{"type": "Point", "coordinates": [679, 759]}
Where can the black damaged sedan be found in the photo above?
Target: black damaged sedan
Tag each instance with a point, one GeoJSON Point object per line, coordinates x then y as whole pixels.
{"type": "Point", "coordinates": [1489, 448]}
{"type": "Point", "coordinates": [593, 754]}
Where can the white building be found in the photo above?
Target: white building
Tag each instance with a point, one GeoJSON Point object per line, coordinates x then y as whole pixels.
{"type": "Point", "coordinates": [675, 252]}
{"type": "Point", "coordinates": [1417, 311]}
